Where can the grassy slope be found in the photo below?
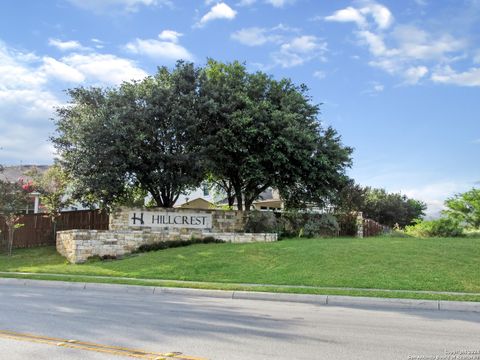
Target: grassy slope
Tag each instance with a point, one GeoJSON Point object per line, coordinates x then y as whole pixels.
{"type": "Point", "coordinates": [382, 263]}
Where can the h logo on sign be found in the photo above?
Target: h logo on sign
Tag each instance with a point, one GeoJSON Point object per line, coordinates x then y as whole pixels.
{"type": "Point", "coordinates": [135, 219]}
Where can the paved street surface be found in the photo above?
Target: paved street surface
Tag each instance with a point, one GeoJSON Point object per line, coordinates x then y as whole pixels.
{"type": "Point", "coordinates": [215, 328]}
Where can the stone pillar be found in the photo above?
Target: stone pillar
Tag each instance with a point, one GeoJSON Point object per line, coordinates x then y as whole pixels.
{"type": "Point", "coordinates": [36, 197]}
{"type": "Point", "coordinates": [359, 224]}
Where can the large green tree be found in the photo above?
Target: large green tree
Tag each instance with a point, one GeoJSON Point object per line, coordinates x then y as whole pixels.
{"type": "Point", "coordinates": [465, 207]}
{"type": "Point", "coordinates": [259, 133]}
{"type": "Point", "coordinates": [391, 208]}
{"type": "Point", "coordinates": [140, 135]}
{"type": "Point", "coordinates": [379, 205]}
{"type": "Point", "coordinates": [351, 198]}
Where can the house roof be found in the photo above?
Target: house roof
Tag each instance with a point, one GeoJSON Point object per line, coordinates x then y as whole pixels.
{"type": "Point", "coordinates": [197, 203]}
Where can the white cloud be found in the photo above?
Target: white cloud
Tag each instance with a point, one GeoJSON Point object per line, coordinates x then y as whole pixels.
{"type": "Point", "coordinates": [26, 105]}
{"type": "Point", "coordinates": [446, 75]}
{"type": "Point", "coordinates": [413, 74]}
{"type": "Point", "coordinates": [24, 99]}
{"type": "Point", "coordinates": [98, 43]}
{"type": "Point", "coordinates": [65, 45]}
{"type": "Point", "coordinates": [166, 48]}
{"type": "Point", "coordinates": [476, 58]}
{"type": "Point", "coordinates": [374, 89]}
{"type": "Point", "coordinates": [15, 71]}
{"type": "Point", "coordinates": [103, 6]}
{"type": "Point", "coordinates": [26, 144]}
{"type": "Point", "coordinates": [279, 3]}
{"type": "Point", "coordinates": [303, 44]}
{"type": "Point", "coordinates": [218, 11]}
{"type": "Point", "coordinates": [105, 68]}
{"type": "Point", "coordinates": [380, 14]}
{"type": "Point", "coordinates": [275, 3]}
{"type": "Point", "coordinates": [389, 65]}
{"type": "Point", "coordinates": [27, 100]}
{"type": "Point", "coordinates": [435, 194]}
{"type": "Point", "coordinates": [293, 50]}
{"type": "Point", "coordinates": [61, 71]}
{"type": "Point", "coordinates": [170, 35]}
{"type": "Point", "coordinates": [320, 74]}
{"type": "Point", "coordinates": [415, 43]}
{"type": "Point", "coordinates": [299, 50]}
{"type": "Point", "coordinates": [406, 51]}
{"type": "Point", "coordinates": [375, 43]}
{"type": "Point", "coordinates": [158, 49]}
{"type": "Point", "coordinates": [254, 36]}
{"type": "Point", "coordinates": [286, 59]}
{"type": "Point", "coordinates": [348, 14]}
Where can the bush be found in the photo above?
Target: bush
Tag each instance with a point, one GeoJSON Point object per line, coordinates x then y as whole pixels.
{"type": "Point", "coordinates": [303, 224]}
{"type": "Point", "coordinates": [162, 245]}
{"type": "Point", "coordinates": [291, 223]}
{"type": "Point", "coordinates": [347, 224]}
{"type": "Point", "coordinates": [323, 225]}
{"type": "Point", "coordinates": [261, 222]}
{"type": "Point", "coordinates": [443, 227]}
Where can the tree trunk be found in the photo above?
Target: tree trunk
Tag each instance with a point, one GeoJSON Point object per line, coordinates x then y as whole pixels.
{"type": "Point", "coordinates": [238, 195]}
{"type": "Point", "coordinates": [54, 223]}
{"type": "Point", "coordinates": [11, 230]}
{"type": "Point", "coordinates": [231, 200]}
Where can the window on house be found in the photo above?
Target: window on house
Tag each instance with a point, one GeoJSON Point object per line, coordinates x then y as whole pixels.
{"type": "Point", "coordinates": [205, 189]}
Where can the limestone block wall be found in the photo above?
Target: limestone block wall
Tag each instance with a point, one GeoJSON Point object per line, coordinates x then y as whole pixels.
{"type": "Point", "coordinates": [222, 220]}
{"type": "Point", "coordinates": [78, 245]}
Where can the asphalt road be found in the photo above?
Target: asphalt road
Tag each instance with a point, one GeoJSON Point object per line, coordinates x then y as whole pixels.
{"type": "Point", "coordinates": [215, 328]}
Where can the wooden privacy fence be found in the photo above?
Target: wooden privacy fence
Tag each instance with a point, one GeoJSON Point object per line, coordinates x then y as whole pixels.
{"type": "Point", "coordinates": [39, 230]}
{"type": "Point", "coordinates": [373, 228]}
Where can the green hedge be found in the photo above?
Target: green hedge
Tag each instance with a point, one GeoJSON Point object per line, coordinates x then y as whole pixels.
{"type": "Point", "coordinates": [162, 245]}
{"type": "Point", "coordinates": [443, 227]}
{"type": "Point", "coordinates": [292, 223]}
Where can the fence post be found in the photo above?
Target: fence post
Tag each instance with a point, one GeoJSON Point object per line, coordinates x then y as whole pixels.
{"type": "Point", "coordinates": [359, 224]}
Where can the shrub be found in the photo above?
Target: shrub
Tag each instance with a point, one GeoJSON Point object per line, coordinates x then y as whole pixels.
{"type": "Point", "coordinates": [443, 227]}
{"type": "Point", "coordinates": [162, 245]}
{"type": "Point", "coordinates": [291, 223]}
{"type": "Point", "coordinates": [321, 225]}
{"type": "Point", "coordinates": [303, 224]}
{"type": "Point", "coordinates": [347, 224]}
{"type": "Point", "coordinates": [261, 222]}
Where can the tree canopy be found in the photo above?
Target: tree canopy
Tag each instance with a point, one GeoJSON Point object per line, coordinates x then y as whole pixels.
{"type": "Point", "coordinates": [379, 205]}
{"type": "Point", "coordinates": [465, 208]}
{"type": "Point", "coordinates": [244, 131]}
{"type": "Point", "coordinates": [141, 134]}
{"type": "Point", "coordinates": [261, 133]}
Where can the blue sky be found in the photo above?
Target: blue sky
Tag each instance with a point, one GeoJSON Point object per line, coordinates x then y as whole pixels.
{"type": "Point", "coordinates": [399, 80]}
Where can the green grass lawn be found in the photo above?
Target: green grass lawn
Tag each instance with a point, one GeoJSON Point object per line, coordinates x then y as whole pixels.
{"type": "Point", "coordinates": [436, 264]}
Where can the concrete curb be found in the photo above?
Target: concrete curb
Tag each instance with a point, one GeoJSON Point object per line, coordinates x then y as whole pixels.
{"type": "Point", "coordinates": [325, 300]}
